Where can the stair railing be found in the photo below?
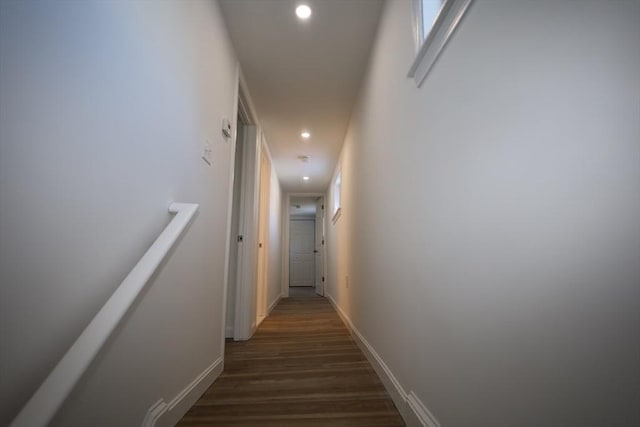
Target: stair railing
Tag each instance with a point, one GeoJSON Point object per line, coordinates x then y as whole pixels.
{"type": "Point", "coordinates": [55, 389]}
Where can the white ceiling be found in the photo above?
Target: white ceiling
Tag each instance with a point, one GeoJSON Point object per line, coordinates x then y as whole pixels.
{"type": "Point", "coordinates": [303, 75]}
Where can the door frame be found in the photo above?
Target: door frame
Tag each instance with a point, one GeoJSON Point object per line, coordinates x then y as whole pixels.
{"type": "Point", "coordinates": [286, 204]}
{"type": "Point", "coordinates": [319, 279]}
{"type": "Point", "coordinates": [264, 211]}
{"type": "Point", "coordinates": [244, 315]}
{"type": "Point", "coordinates": [293, 221]}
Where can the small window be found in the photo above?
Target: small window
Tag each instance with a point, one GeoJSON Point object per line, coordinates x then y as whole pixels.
{"type": "Point", "coordinates": [434, 22]}
{"type": "Point", "coordinates": [427, 14]}
{"type": "Point", "coordinates": [337, 183]}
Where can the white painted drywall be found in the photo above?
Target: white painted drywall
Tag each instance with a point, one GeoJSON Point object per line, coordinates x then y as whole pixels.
{"type": "Point", "coordinates": [104, 111]}
{"type": "Point", "coordinates": [490, 221]}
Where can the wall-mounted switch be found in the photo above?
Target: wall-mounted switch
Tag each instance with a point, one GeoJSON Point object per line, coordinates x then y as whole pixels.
{"type": "Point", "coordinates": [226, 127]}
{"type": "Point", "coordinates": [206, 153]}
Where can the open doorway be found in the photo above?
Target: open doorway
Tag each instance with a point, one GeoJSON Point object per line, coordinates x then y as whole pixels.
{"type": "Point", "coordinates": [306, 246]}
{"type": "Point", "coordinates": [240, 229]}
{"type": "Point", "coordinates": [235, 239]}
{"type": "Point", "coordinates": [241, 295]}
{"type": "Point", "coordinates": [263, 234]}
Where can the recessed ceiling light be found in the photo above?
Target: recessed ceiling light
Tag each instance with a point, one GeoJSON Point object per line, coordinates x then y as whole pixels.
{"type": "Point", "coordinates": [305, 135]}
{"type": "Point", "coordinates": [303, 11]}
{"type": "Point", "coordinates": [306, 178]}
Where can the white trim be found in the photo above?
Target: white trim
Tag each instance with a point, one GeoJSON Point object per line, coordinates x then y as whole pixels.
{"type": "Point", "coordinates": [417, 24]}
{"type": "Point", "coordinates": [322, 201]}
{"type": "Point", "coordinates": [392, 385]}
{"type": "Point", "coordinates": [245, 313]}
{"type": "Point", "coordinates": [284, 274]}
{"type": "Point", "coordinates": [286, 217]}
{"type": "Point", "coordinates": [270, 309]}
{"type": "Point", "coordinates": [264, 148]}
{"type": "Point", "coordinates": [337, 173]}
{"type": "Point", "coordinates": [446, 22]}
{"type": "Point", "coordinates": [262, 255]}
{"type": "Point", "coordinates": [273, 305]}
{"type": "Point", "coordinates": [244, 317]}
{"type": "Point", "coordinates": [162, 414]}
{"type": "Point", "coordinates": [230, 243]}
{"type": "Point", "coordinates": [154, 413]}
{"type": "Point", "coordinates": [426, 418]}
{"type": "Point", "coordinates": [413, 411]}
{"type": "Point", "coordinates": [336, 216]}
{"type": "Point", "coordinates": [247, 101]}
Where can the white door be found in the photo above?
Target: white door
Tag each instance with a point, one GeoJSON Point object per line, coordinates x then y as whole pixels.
{"type": "Point", "coordinates": [319, 247]}
{"type": "Point", "coordinates": [301, 256]}
{"type": "Point", "coordinates": [263, 236]}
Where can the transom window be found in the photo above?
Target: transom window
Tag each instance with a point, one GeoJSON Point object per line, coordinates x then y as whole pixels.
{"type": "Point", "coordinates": [434, 22]}
{"type": "Point", "coordinates": [337, 184]}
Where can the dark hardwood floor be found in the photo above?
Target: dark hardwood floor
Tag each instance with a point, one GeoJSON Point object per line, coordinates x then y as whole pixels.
{"type": "Point", "coordinates": [301, 368]}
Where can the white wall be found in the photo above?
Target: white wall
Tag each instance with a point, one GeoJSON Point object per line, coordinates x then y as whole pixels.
{"type": "Point", "coordinates": [490, 225]}
{"type": "Point", "coordinates": [104, 110]}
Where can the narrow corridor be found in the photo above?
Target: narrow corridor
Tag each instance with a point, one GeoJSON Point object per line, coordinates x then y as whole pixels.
{"type": "Point", "coordinates": [300, 368]}
{"type": "Point", "coordinates": [460, 179]}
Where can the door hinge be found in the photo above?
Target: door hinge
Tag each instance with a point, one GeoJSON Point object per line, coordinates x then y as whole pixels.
{"type": "Point", "coordinates": [322, 207]}
{"type": "Point", "coordinates": [240, 238]}
{"type": "Point", "coordinates": [323, 241]}
{"type": "Point", "coordinates": [323, 279]}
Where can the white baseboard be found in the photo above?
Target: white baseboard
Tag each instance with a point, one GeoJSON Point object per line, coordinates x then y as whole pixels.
{"type": "Point", "coordinates": [273, 304]}
{"type": "Point", "coordinates": [413, 411]}
{"type": "Point", "coordinates": [162, 414]}
{"type": "Point", "coordinates": [260, 319]}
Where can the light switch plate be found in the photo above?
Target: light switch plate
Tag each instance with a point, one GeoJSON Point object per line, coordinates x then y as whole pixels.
{"type": "Point", "coordinates": [226, 127]}
{"type": "Point", "coordinates": [206, 153]}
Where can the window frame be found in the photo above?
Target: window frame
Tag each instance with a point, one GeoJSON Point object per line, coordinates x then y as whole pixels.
{"type": "Point", "coordinates": [429, 44]}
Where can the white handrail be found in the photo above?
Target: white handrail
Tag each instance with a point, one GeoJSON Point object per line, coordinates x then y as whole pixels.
{"type": "Point", "coordinates": [46, 401]}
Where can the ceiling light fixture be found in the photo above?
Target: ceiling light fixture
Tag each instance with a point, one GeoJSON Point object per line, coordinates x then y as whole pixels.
{"type": "Point", "coordinates": [305, 135]}
{"type": "Point", "coordinates": [303, 11]}
{"type": "Point", "coordinates": [306, 178]}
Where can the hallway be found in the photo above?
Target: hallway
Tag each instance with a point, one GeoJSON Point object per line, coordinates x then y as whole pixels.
{"type": "Point", "coordinates": [300, 368]}
{"type": "Point", "coordinates": [471, 169]}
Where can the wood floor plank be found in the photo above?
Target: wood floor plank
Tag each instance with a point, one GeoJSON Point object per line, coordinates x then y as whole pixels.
{"type": "Point", "coordinates": [301, 368]}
